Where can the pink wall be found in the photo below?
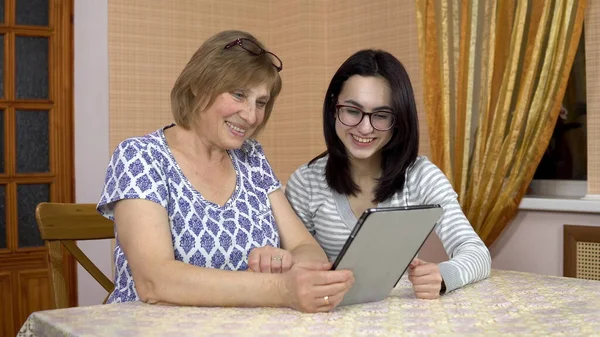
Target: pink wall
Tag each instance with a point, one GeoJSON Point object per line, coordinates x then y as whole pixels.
{"type": "Point", "coordinates": [533, 242]}
{"type": "Point", "coordinates": [91, 129]}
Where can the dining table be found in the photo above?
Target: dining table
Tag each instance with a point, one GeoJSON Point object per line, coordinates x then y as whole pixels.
{"type": "Point", "coordinates": [505, 303]}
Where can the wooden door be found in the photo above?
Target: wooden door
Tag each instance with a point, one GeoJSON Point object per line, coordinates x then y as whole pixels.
{"type": "Point", "coordinates": [36, 147]}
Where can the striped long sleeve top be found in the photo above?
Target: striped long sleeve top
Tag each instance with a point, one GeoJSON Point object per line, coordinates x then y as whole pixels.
{"type": "Point", "coordinates": [329, 218]}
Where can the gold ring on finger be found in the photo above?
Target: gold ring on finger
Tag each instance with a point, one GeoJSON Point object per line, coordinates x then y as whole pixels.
{"type": "Point", "coordinates": [326, 299]}
{"type": "Point", "coordinates": [276, 258]}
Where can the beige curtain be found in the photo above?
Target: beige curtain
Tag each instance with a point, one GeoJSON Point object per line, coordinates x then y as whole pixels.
{"type": "Point", "coordinates": [494, 75]}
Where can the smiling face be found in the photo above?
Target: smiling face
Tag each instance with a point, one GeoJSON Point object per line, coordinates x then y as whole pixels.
{"type": "Point", "coordinates": [234, 116]}
{"type": "Point", "coordinates": [370, 94]}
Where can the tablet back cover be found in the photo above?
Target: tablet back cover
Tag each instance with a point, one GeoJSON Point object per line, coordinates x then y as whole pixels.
{"type": "Point", "coordinates": [383, 247]}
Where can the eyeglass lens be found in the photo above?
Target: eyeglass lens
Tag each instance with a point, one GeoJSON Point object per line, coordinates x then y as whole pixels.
{"type": "Point", "coordinates": [352, 116]}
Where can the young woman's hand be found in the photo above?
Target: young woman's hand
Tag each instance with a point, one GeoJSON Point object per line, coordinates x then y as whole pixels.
{"type": "Point", "coordinates": [425, 278]}
{"type": "Point", "coordinates": [313, 287]}
{"type": "Point", "coordinates": [269, 260]}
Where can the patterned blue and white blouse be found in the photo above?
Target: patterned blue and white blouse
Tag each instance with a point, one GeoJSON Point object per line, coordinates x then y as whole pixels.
{"type": "Point", "coordinates": [204, 234]}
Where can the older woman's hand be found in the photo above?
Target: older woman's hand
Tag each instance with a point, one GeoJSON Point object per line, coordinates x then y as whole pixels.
{"type": "Point", "coordinates": [269, 260]}
{"type": "Point", "coordinates": [310, 286]}
{"type": "Point", "coordinates": [425, 278]}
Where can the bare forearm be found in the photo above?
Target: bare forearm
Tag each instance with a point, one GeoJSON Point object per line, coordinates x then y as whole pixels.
{"type": "Point", "coordinates": [178, 283]}
{"type": "Point", "coordinates": [309, 252]}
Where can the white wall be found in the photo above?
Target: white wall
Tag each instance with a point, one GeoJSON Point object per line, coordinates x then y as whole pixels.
{"type": "Point", "coordinates": [91, 129]}
{"type": "Point", "coordinates": [532, 242]}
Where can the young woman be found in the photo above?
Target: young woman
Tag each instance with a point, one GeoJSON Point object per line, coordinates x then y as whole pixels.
{"type": "Point", "coordinates": [196, 203]}
{"type": "Point", "coordinates": [372, 137]}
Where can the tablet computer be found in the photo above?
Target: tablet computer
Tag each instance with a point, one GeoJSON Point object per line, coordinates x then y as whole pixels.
{"type": "Point", "coordinates": [381, 246]}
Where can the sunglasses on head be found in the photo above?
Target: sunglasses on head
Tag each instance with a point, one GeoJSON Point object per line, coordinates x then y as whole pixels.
{"type": "Point", "coordinates": [254, 49]}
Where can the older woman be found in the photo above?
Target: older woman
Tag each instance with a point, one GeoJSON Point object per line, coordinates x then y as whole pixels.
{"type": "Point", "coordinates": [196, 203]}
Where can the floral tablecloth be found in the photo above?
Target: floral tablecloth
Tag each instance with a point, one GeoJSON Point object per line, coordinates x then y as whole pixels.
{"type": "Point", "coordinates": [506, 303]}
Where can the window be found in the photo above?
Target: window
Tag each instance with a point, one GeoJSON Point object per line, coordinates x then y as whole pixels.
{"type": "Point", "coordinates": [562, 171]}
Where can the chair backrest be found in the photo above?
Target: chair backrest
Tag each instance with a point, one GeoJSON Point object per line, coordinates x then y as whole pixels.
{"type": "Point", "coordinates": [63, 223]}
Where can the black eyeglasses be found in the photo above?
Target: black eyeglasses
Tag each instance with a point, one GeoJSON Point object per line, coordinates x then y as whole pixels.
{"type": "Point", "coordinates": [254, 49]}
{"type": "Point", "coordinates": [352, 116]}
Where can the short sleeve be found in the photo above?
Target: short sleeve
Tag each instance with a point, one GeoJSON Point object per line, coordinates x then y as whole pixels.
{"type": "Point", "coordinates": [134, 172]}
{"type": "Point", "coordinates": [298, 194]}
{"type": "Point", "coordinates": [262, 173]}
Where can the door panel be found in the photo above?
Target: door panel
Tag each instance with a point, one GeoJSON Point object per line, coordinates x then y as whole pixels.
{"type": "Point", "coordinates": [2, 218]}
{"type": "Point", "coordinates": [6, 304]}
{"type": "Point", "coordinates": [34, 292]}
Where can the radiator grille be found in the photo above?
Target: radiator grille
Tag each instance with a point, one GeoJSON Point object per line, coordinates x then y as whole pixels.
{"type": "Point", "coordinates": [588, 260]}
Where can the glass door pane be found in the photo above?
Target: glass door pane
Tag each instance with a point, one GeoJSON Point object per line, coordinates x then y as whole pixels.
{"type": "Point", "coordinates": [33, 154]}
{"type": "Point", "coordinates": [1, 11]}
{"type": "Point", "coordinates": [31, 60]}
{"type": "Point", "coordinates": [32, 12]}
{"type": "Point", "coordinates": [28, 196]}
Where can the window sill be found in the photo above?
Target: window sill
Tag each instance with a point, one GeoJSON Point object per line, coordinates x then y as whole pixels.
{"type": "Point", "coordinates": [587, 204]}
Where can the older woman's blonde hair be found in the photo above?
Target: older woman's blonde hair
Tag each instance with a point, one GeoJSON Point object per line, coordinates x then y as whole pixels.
{"type": "Point", "coordinates": [213, 70]}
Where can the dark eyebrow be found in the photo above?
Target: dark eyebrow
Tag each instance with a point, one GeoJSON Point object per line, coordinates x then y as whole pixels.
{"type": "Point", "coordinates": [358, 105]}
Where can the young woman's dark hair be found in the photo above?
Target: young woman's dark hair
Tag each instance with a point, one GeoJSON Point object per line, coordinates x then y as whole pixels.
{"type": "Point", "coordinates": [402, 149]}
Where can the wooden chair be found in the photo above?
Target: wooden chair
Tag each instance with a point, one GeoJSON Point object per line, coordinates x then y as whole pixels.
{"type": "Point", "coordinates": [64, 224]}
